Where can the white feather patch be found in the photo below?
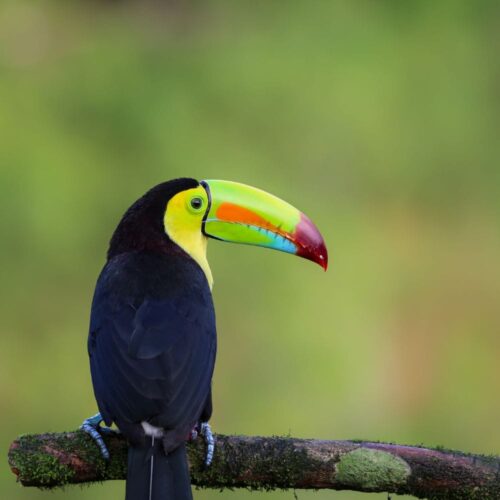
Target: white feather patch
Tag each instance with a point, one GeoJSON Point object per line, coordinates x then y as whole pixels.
{"type": "Point", "coordinates": [151, 430]}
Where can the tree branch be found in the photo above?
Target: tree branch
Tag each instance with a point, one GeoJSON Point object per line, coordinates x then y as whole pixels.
{"type": "Point", "coordinates": [51, 460]}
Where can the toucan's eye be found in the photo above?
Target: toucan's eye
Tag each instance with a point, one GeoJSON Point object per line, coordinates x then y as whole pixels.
{"type": "Point", "coordinates": [196, 203]}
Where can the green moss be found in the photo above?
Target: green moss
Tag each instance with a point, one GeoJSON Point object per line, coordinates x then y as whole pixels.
{"type": "Point", "coordinates": [373, 470]}
{"type": "Point", "coordinates": [39, 461]}
{"type": "Point", "coordinates": [115, 468]}
{"type": "Point", "coordinates": [275, 463]}
{"type": "Point", "coordinates": [41, 468]}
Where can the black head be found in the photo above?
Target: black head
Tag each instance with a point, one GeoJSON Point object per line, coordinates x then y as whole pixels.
{"type": "Point", "coordinates": [142, 227]}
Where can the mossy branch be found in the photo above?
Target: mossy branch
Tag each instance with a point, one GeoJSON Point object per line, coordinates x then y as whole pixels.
{"type": "Point", "coordinates": [52, 460]}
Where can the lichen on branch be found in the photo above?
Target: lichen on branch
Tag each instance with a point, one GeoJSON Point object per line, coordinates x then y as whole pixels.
{"type": "Point", "coordinates": [53, 460]}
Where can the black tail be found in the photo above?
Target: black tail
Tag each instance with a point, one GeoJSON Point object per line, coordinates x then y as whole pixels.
{"type": "Point", "coordinates": [152, 475]}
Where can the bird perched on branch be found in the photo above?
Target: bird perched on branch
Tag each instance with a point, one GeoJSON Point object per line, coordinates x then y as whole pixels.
{"type": "Point", "coordinates": [152, 339]}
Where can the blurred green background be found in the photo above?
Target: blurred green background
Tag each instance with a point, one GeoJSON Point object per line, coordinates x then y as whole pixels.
{"type": "Point", "coordinates": [378, 119]}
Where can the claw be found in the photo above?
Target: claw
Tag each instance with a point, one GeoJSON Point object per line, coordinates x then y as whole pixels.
{"type": "Point", "coordinates": [193, 434]}
{"type": "Point", "coordinates": [92, 426]}
{"type": "Point", "coordinates": [206, 432]}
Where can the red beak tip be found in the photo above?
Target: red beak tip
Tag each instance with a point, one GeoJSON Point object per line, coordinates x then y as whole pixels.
{"type": "Point", "coordinates": [311, 243]}
{"type": "Point", "coordinates": [323, 261]}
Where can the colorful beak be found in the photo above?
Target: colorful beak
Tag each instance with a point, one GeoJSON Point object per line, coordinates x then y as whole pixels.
{"type": "Point", "coordinates": [243, 214]}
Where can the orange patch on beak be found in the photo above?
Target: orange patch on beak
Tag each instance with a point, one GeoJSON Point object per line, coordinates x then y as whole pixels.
{"type": "Point", "coordinates": [234, 213]}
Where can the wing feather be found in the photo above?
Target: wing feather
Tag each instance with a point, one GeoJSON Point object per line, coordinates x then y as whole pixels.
{"type": "Point", "coordinates": [152, 346]}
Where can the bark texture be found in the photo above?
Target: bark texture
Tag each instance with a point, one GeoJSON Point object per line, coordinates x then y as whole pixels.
{"type": "Point", "coordinates": [52, 460]}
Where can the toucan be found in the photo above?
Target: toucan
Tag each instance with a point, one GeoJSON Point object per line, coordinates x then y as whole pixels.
{"type": "Point", "coordinates": [152, 336]}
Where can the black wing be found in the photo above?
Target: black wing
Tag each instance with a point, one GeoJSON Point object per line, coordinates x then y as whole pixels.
{"type": "Point", "coordinates": [152, 341]}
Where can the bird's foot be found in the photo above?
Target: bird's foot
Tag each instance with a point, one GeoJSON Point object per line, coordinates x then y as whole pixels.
{"type": "Point", "coordinates": [193, 435]}
{"type": "Point", "coordinates": [92, 426]}
{"type": "Point", "coordinates": [206, 432]}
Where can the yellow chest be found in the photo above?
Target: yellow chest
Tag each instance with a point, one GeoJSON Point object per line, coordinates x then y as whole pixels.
{"type": "Point", "coordinates": [195, 245]}
{"type": "Point", "coordinates": [184, 229]}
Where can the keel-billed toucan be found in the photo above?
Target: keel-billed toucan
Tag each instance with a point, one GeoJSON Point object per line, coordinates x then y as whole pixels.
{"type": "Point", "coordinates": [152, 338]}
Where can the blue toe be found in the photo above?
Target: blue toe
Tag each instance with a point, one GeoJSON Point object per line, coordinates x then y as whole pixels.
{"type": "Point", "coordinates": [92, 427]}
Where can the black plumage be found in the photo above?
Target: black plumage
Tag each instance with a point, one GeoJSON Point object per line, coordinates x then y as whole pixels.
{"type": "Point", "coordinates": [152, 341]}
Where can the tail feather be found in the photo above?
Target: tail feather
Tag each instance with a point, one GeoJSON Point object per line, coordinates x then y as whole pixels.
{"type": "Point", "coordinates": [152, 475]}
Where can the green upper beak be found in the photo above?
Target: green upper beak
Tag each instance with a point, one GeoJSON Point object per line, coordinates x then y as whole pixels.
{"type": "Point", "coordinates": [243, 214]}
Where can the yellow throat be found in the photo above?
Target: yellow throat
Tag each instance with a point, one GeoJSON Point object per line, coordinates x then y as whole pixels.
{"type": "Point", "coordinates": [183, 226]}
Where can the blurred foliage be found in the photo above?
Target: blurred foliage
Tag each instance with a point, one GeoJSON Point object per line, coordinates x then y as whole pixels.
{"type": "Point", "coordinates": [378, 119]}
